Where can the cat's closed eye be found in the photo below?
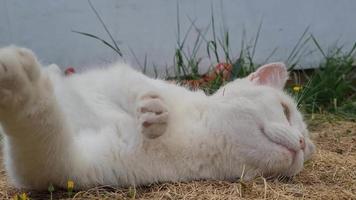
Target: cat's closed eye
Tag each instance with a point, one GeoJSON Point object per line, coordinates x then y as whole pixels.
{"type": "Point", "coordinates": [286, 111]}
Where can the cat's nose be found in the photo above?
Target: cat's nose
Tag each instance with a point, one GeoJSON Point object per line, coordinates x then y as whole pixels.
{"type": "Point", "coordinates": [302, 143]}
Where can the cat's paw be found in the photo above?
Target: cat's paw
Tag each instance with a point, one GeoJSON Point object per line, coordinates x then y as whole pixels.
{"type": "Point", "coordinates": [152, 115]}
{"type": "Point", "coordinates": [19, 69]}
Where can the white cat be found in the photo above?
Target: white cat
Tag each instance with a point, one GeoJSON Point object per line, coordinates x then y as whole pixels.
{"type": "Point", "coordinates": [119, 127]}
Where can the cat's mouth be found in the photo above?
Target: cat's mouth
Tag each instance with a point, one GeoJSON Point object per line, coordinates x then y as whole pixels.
{"type": "Point", "coordinates": [291, 151]}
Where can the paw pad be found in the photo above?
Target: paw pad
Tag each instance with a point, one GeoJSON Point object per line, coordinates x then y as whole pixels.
{"type": "Point", "coordinates": [152, 115]}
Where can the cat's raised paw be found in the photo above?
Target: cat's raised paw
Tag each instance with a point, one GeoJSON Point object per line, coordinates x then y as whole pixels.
{"type": "Point", "coordinates": [19, 69]}
{"type": "Point", "coordinates": [152, 115]}
{"type": "Point", "coordinates": [18, 65]}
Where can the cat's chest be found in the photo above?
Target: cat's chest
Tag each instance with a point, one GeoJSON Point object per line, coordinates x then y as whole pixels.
{"type": "Point", "coordinates": [85, 109]}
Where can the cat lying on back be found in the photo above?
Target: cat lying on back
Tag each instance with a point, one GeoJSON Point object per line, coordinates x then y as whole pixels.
{"type": "Point", "coordinates": [118, 127]}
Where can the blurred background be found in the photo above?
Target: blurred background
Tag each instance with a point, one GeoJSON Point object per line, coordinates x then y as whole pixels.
{"type": "Point", "coordinates": [147, 31]}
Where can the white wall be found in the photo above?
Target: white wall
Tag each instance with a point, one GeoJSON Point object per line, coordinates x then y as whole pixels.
{"type": "Point", "coordinates": [149, 27]}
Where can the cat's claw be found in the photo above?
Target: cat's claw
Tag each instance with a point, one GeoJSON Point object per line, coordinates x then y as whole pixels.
{"type": "Point", "coordinates": [152, 115]}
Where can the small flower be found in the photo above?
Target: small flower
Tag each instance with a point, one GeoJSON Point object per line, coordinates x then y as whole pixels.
{"type": "Point", "coordinates": [23, 196]}
{"type": "Point", "coordinates": [69, 71]}
{"type": "Point", "coordinates": [221, 67]}
{"type": "Point", "coordinates": [297, 88]}
{"type": "Point", "coordinates": [224, 70]}
{"type": "Point", "coordinates": [50, 188]}
{"type": "Point", "coordinates": [70, 185]}
{"type": "Point", "coordinates": [132, 192]}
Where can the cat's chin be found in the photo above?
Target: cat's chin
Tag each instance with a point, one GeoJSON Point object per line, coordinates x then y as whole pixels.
{"type": "Point", "coordinates": [294, 161]}
{"type": "Point", "coordinates": [290, 170]}
{"type": "Point", "coordinates": [294, 158]}
{"type": "Point", "coordinates": [296, 165]}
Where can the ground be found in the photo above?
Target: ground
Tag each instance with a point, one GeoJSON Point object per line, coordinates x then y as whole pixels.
{"type": "Point", "coordinates": [331, 174]}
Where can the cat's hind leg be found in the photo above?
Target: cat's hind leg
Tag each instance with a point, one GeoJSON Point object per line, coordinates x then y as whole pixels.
{"type": "Point", "coordinates": [152, 114]}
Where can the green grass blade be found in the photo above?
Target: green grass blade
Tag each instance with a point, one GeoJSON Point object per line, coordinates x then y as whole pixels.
{"type": "Point", "coordinates": [297, 45]}
{"type": "Point", "coordinates": [318, 45]}
{"type": "Point", "coordinates": [100, 39]}
{"type": "Point", "coordinates": [105, 27]}
{"type": "Point", "coordinates": [256, 39]}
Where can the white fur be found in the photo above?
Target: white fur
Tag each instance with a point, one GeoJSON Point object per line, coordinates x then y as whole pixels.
{"type": "Point", "coordinates": [118, 127]}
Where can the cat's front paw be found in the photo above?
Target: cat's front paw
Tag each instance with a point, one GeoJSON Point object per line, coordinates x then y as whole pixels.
{"type": "Point", "coordinates": [19, 69]}
{"type": "Point", "coordinates": [152, 115]}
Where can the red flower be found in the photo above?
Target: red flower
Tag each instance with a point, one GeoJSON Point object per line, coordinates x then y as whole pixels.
{"type": "Point", "coordinates": [222, 69]}
{"type": "Point", "coordinates": [69, 71]}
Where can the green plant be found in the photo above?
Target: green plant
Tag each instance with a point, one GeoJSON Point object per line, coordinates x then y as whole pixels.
{"type": "Point", "coordinates": [298, 51]}
{"type": "Point", "coordinates": [348, 110]}
{"type": "Point", "coordinates": [51, 190]}
{"type": "Point", "coordinates": [332, 83]}
{"type": "Point", "coordinates": [132, 192]}
{"type": "Point", "coordinates": [114, 46]}
{"type": "Point", "coordinates": [186, 63]}
{"type": "Point", "coordinates": [330, 88]}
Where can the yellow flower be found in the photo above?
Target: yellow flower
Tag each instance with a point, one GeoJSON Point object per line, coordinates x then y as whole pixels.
{"type": "Point", "coordinates": [16, 197]}
{"type": "Point", "coordinates": [23, 196]}
{"type": "Point", "coordinates": [70, 185]}
{"type": "Point", "coordinates": [297, 88]}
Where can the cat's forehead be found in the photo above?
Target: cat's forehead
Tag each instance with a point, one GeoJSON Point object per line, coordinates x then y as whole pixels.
{"type": "Point", "coordinates": [244, 87]}
{"type": "Point", "coordinates": [263, 93]}
{"type": "Point", "coordinates": [247, 89]}
{"type": "Point", "coordinates": [244, 84]}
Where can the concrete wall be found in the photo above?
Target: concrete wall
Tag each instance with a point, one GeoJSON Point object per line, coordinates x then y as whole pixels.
{"type": "Point", "coordinates": [149, 27]}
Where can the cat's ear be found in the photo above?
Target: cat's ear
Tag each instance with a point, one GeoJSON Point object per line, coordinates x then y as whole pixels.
{"type": "Point", "coordinates": [273, 74]}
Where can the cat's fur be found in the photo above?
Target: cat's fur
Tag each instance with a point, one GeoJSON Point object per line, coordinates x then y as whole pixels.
{"type": "Point", "coordinates": [118, 127]}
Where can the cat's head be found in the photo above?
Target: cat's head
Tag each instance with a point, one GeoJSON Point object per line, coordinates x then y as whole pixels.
{"type": "Point", "coordinates": [280, 142]}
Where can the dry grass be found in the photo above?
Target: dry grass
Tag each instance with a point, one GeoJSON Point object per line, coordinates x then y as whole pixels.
{"type": "Point", "coordinates": [331, 174]}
